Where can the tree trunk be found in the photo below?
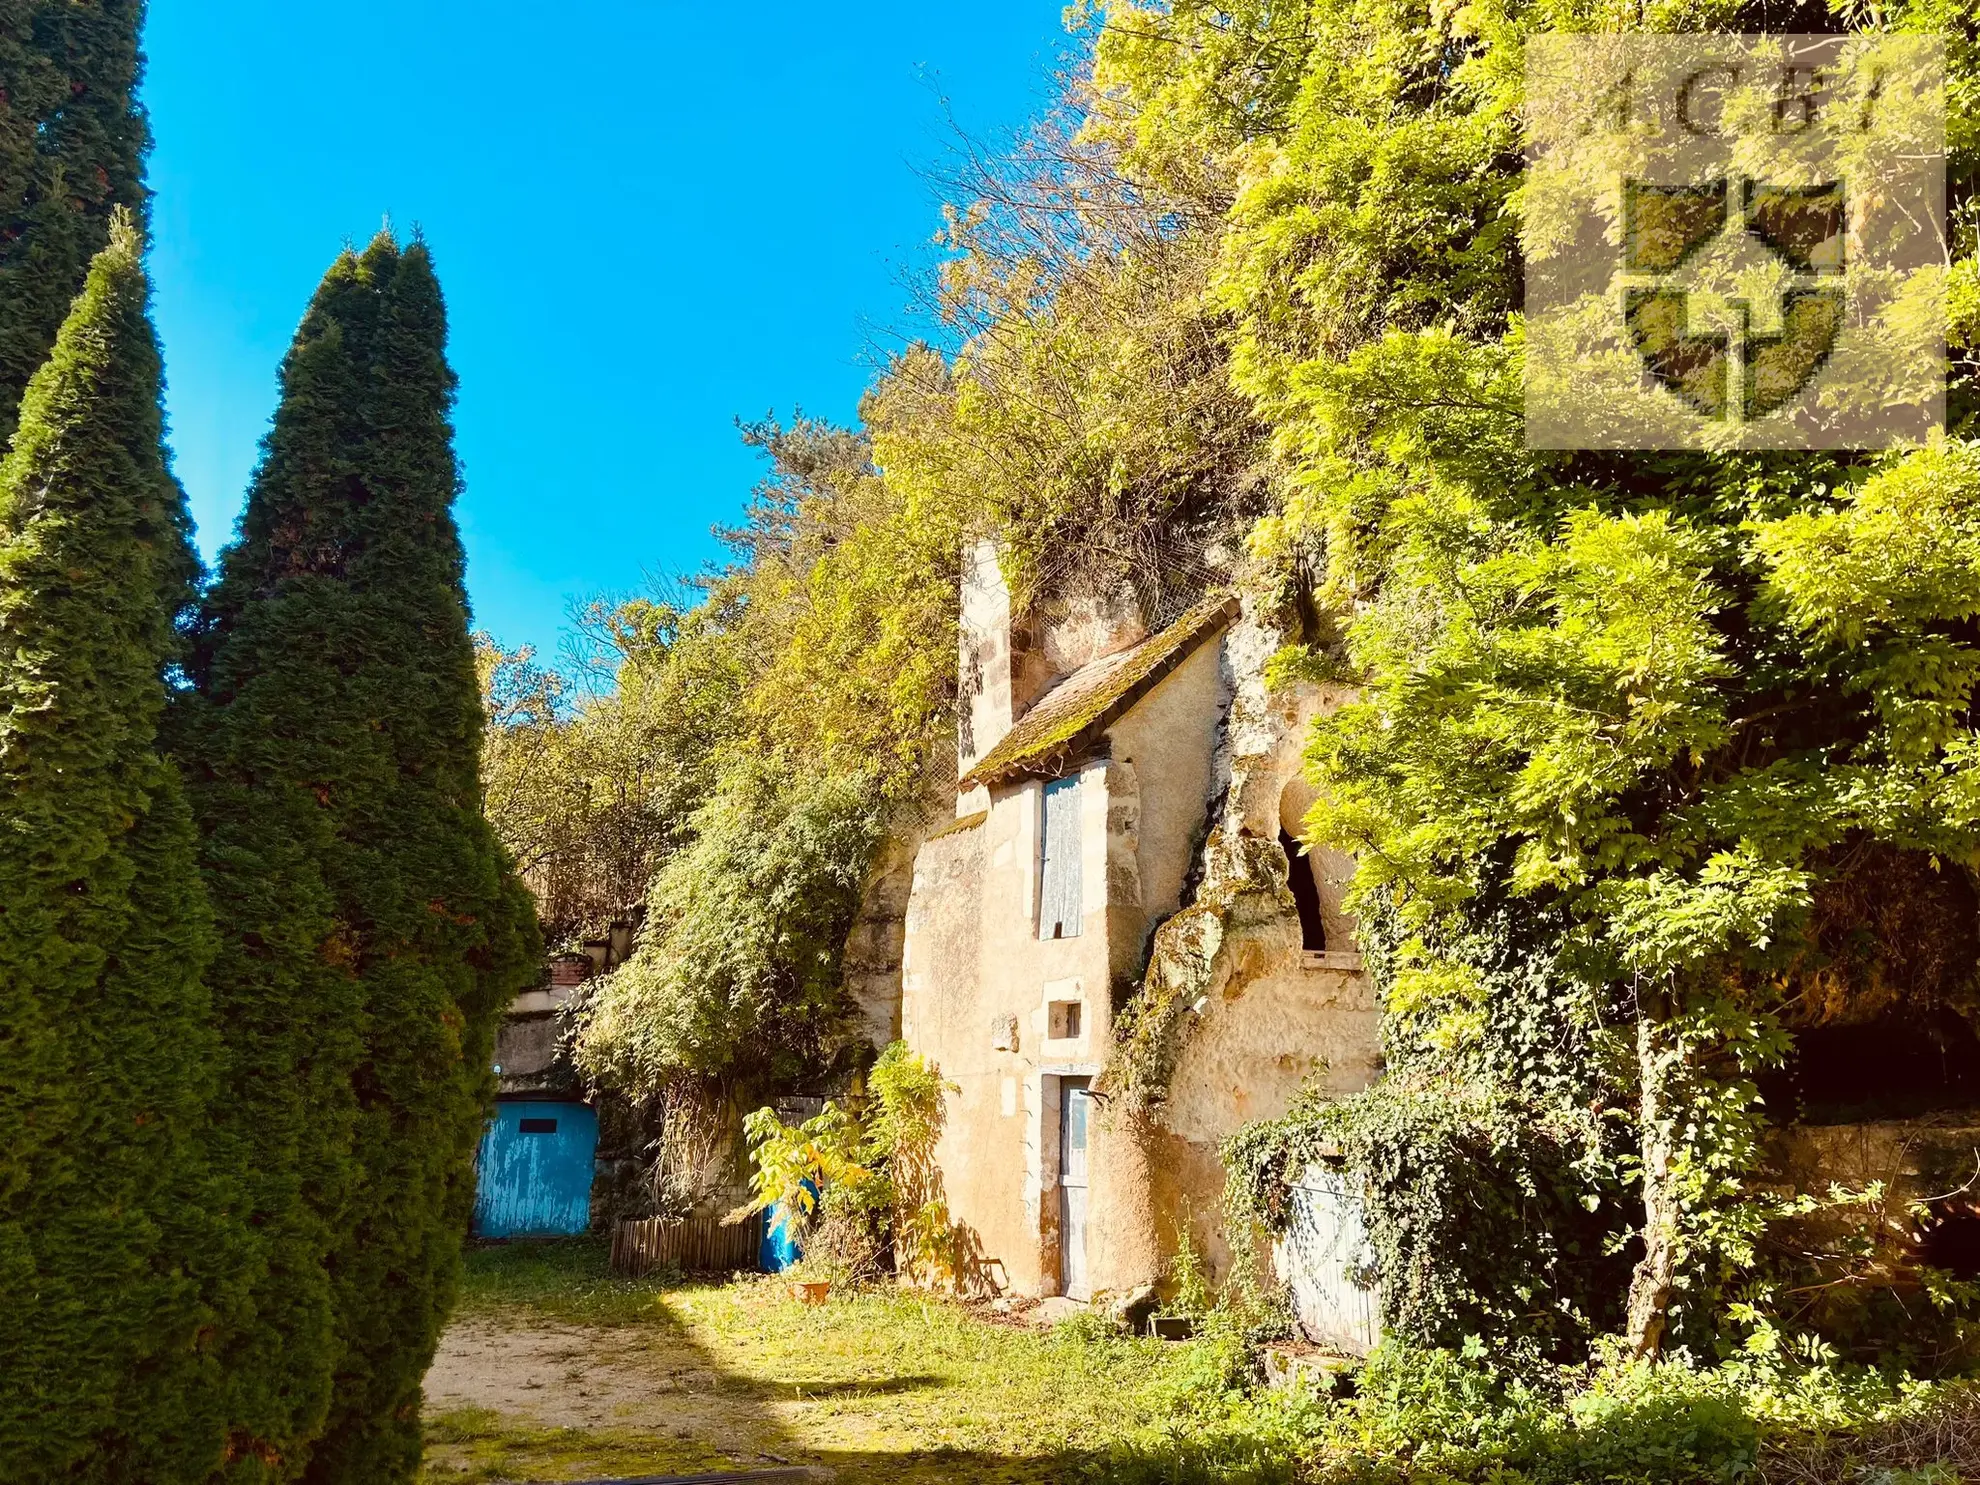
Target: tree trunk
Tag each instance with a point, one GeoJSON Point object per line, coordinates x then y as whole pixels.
{"type": "Point", "coordinates": [1650, 1287]}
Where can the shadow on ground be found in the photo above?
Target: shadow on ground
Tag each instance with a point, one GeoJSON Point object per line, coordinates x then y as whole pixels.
{"type": "Point", "coordinates": [586, 1378]}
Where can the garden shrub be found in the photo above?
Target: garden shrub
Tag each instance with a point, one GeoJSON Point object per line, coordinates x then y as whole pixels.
{"type": "Point", "coordinates": [737, 967]}
{"type": "Point", "coordinates": [858, 1180]}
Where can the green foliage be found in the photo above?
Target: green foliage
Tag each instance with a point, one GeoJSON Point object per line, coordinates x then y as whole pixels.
{"type": "Point", "coordinates": [873, 1158]}
{"type": "Point", "coordinates": [759, 741]}
{"type": "Point", "coordinates": [797, 1164]}
{"type": "Point", "coordinates": [737, 966]}
{"type": "Point", "coordinates": [1450, 1417]}
{"type": "Point", "coordinates": [1491, 1156]}
{"type": "Point", "coordinates": [373, 931]}
{"type": "Point", "coordinates": [1088, 419]}
{"type": "Point", "coordinates": [1646, 703]}
{"type": "Point", "coordinates": [118, 1247]}
{"type": "Point", "coordinates": [575, 793]}
{"type": "Point", "coordinates": [72, 144]}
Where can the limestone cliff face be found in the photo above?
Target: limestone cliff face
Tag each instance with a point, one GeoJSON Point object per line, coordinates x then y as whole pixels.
{"type": "Point", "coordinates": [1240, 938]}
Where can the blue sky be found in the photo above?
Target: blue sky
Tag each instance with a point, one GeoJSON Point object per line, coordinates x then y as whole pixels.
{"type": "Point", "coordinates": [650, 218]}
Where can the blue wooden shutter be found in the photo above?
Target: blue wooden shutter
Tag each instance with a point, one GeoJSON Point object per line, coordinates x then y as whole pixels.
{"type": "Point", "coordinates": [1059, 895]}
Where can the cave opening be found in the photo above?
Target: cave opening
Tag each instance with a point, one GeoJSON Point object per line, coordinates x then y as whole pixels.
{"type": "Point", "coordinates": [1306, 894]}
{"type": "Point", "coordinates": [1898, 1066]}
{"type": "Point", "coordinates": [1952, 1244]}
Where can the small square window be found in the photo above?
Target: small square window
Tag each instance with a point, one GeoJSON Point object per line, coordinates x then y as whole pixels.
{"type": "Point", "coordinates": [537, 1126]}
{"type": "Point", "coordinates": [1062, 1020]}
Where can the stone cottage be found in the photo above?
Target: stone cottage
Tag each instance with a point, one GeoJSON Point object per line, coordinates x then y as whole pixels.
{"type": "Point", "coordinates": [1129, 804]}
{"type": "Point", "coordinates": [1120, 951]}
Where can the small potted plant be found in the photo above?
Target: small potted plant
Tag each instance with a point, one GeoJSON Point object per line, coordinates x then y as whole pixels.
{"type": "Point", "coordinates": [809, 1283]}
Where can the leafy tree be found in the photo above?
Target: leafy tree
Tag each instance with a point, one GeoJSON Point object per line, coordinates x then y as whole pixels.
{"type": "Point", "coordinates": [574, 792]}
{"type": "Point", "coordinates": [374, 929]}
{"type": "Point", "coordinates": [117, 1249]}
{"type": "Point", "coordinates": [72, 146]}
{"type": "Point", "coordinates": [737, 969]}
{"type": "Point", "coordinates": [1626, 691]}
{"type": "Point", "coordinates": [1087, 418]}
{"type": "Point", "coordinates": [787, 717]}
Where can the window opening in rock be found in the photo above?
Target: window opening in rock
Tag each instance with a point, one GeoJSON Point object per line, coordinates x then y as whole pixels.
{"type": "Point", "coordinates": [1306, 893]}
{"type": "Point", "coordinates": [1062, 1019]}
{"type": "Point", "coordinates": [1953, 1244]}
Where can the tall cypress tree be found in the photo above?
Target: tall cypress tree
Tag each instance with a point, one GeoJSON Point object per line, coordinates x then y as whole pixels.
{"type": "Point", "coordinates": [357, 882]}
{"type": "Point", "coordinates": [285, 984]}
{"type": "Point", "coordinates": [114, 1246]}
{"type": "Point", "coordinates": [72, 147]}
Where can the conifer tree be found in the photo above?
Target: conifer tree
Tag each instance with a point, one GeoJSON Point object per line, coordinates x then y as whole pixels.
{"type": "Point", "coordinates": [72, 146]}
{"type": "Point", "coordinates": [357, 882]}
{"type": "Point", "coordinates": [115, 1248]}
{"type": "Point", "coordinates": [285, 988]}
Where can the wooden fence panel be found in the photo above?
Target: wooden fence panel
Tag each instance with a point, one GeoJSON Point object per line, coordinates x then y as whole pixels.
{"type": "Point", "coordinates": [697, 1245]}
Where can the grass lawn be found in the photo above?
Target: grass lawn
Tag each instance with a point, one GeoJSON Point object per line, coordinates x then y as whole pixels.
{"type": "Point", "coordinates": [554, 1370]}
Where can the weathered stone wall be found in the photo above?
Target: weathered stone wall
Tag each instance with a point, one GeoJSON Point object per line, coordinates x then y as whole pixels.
{"type": "Point", "coordinates": [1311, 1017]}
{"type": "Point", "coordinates": [874, 945]}
{"type": "Point", "coordinates": [1914, 1160]}
{"type": "Point", "coordinates": [948, 1019]}
{"type": "Point", "coordinates": [1078, 630]}
{"type": "Point", "coordinates": [983, 706]}
{"type": "Point", "coordinates": [1235, 1016]}
{"type": "Point", "coordinates": [1169, 740]}
{"type": "Point", "coordinates": [529, 1052]}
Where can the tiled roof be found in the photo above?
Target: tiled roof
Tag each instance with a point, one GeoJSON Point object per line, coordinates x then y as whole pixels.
{"type": "Point", "coordinates": [1069, 719]}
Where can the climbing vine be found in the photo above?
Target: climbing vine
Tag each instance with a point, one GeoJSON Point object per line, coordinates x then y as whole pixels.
{"type": "Point", "coordinates": [1491, 1153]}
{"type": "Point", "coordinates": [1622, 717]}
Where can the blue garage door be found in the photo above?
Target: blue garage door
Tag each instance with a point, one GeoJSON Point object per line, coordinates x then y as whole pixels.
{"type": "Point", "coordinates": [535, 1170]}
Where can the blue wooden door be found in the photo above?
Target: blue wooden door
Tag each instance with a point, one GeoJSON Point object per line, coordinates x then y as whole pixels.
{"type": "Point", "coordinates": [1075, 1104]}
{"type": "Point", "coordinates": [535, 1170]}
{"type": "Point", "coordinates": [1059, 896]}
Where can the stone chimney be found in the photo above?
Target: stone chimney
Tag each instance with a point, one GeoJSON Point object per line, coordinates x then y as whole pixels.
{"type": "Point", "coordinates": [995, 685]}
{"type": "Point", "coordinates": [1007, 663]}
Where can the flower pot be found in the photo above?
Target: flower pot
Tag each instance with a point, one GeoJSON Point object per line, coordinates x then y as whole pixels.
{"type": "Point", "coordinates": [811, 1294]}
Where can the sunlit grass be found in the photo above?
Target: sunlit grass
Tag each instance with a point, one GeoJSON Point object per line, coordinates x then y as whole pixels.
{"type": "Point", "coordinates": [883, 1385]}
{"type": "Point", "coordinates": [558, 1279]}
{"type": "Point", "coordinates": [477, 1446]}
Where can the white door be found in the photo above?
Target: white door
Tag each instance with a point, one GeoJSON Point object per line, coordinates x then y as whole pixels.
{"type": "Point", "coordinates": [1075, 1104]}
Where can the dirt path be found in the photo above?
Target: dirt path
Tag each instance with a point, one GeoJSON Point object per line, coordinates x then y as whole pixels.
{"type": "Point", "coordinates": [882, 1387]}
{"type": "Point", "coordinates": [517, 1399]}
{"type": "Point", "coordinates": [561, 1376]}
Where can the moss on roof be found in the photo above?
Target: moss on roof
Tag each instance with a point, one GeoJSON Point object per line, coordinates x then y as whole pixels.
{"type": "Point", "coordinates": [1071, 718]}
{"type": "Point", "coordinates": [958, 826]}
